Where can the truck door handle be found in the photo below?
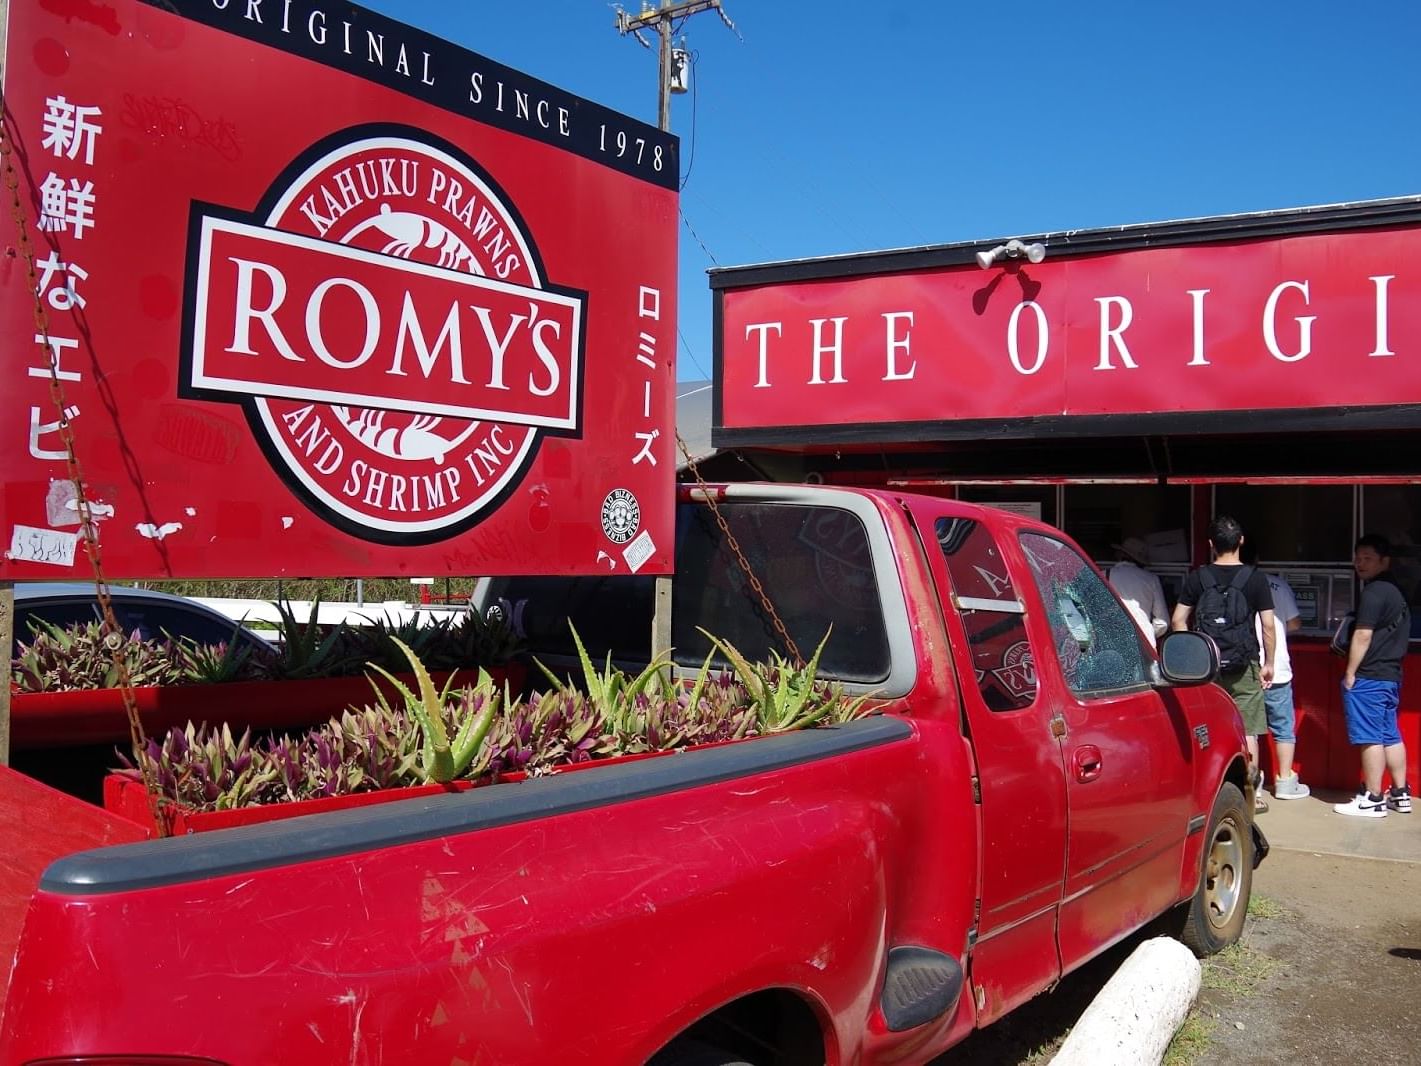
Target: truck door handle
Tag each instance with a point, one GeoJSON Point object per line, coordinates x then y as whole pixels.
{"type": "Point", "coordinates": [1087, 762]}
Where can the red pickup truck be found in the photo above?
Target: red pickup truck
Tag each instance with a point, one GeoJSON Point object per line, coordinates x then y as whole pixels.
{"type": "Point", "coordinates": [1036, 786]}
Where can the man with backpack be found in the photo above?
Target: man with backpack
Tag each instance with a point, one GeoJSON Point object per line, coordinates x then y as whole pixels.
{"type": "Point", "coordinates": [1371, 682]}
{"type": "Point", "coordinates": [1226, 599]}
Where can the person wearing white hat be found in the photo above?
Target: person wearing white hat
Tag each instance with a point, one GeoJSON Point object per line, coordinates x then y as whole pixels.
{"type": "Point", "coordinates": [1140, 590]}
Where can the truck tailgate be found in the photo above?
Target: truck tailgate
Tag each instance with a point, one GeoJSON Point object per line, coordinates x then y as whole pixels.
{"type": "Point", "coordinates": [41, 825]}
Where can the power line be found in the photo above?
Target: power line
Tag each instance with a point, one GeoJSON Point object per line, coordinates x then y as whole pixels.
{"type": "Point", "coordinates": [691, 159]}
{"type": "Point", "coordinates": [692, 355]}
{"type": "Point", "coordinates": [692, 230]}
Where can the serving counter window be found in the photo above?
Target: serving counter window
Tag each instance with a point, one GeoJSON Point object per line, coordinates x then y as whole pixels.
{"type": "Point", "coordinates": [1033, 501]}
{"type": "Point", "coordinates": [1291, 524]}
{"type": "Point", "coordinates": [1304, 533]}
{"type": "Point", "coordinates": [1098, 517]}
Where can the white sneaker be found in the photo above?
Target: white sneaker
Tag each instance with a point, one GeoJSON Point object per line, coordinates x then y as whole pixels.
{"type": "Point", "coordinates": [1290, 788]}
{"type": "Point", "coordinates": [1399, 799]}
{"type": "Point", "coordinates": [1363, 806]}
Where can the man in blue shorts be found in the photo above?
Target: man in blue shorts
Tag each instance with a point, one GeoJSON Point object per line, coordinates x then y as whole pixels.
{"type": "Point", "coordinates": [1371, 684]}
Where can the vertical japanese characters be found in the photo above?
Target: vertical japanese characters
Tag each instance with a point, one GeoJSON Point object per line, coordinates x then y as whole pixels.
{"type": "Point", "coordinates": [645, 438]}
{"type": "Point", "coordinates": [649, 311]}
{"type": "Point", "coordinates": [69, 138]}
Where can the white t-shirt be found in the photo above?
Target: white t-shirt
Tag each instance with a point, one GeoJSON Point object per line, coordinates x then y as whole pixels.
{"type": "Point", "coordinates": [1285, 609]}
{"type": "Point", "coordinates": [1143, 596]}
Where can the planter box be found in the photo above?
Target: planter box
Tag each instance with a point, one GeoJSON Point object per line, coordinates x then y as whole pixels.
{"type": "Point", "coordinates": [62, 719]}
{"type": "Point", "coordinates": [127, 798]}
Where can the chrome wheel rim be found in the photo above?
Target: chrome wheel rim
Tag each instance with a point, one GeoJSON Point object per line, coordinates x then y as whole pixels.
{"type": "Point", "coordinates": [1223, 874]}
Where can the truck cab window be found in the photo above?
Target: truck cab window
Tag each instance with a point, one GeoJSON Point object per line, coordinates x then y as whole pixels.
{"type": "Point", "coordinates": [817, 567]}
{"type": "Point", "coordinates": [991, 613]}
{"type": "Point", "coordinates": [1096, 640]}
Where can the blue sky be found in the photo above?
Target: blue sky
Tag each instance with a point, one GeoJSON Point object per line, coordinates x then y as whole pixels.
{"type": "Point", "coordinates": [835, 127]}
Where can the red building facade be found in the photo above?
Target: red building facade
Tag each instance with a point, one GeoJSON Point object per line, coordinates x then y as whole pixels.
{"type": "Point", "coordinates": [1121, 382]}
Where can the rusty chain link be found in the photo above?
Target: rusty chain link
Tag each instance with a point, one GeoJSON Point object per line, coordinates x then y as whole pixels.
{"type": "Point", "coordinates": [114, 638]}
{"type": "Point", "coordinates": [755, 585]}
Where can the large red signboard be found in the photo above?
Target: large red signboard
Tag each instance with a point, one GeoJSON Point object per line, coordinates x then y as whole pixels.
{"type": "Point", "coordinates": [328, 295]}
{"type": "Point", "coordinates": [1152, 339]}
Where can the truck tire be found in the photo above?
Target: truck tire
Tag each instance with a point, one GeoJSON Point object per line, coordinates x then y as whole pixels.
{"type": "Point", "coordinates": [694, 1053]}
{"type": "Point", "coordinates": [1214, 918]}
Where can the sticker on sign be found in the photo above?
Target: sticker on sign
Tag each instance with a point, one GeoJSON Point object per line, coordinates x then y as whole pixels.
{"type": "Point", "coordinates": [639, 551]}
{"type": "Point", "coordinates": [35, 545]}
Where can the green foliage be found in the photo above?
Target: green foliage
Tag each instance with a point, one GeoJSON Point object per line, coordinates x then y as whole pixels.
{"type": "Point", "coordinates": [786, 696]}
{"type": "Point", "coordinates": [215, 664]}
{"type": "Point", "coordinates": [304, 651]}
{"type": "Point", "coordinates": [479, 731]}
{"type": "Point", "coordinates": [442, 759]}
{"type": "Point", "coordinates": [81, 657]}
{"type": "Point", "coordinates": [77, 657]}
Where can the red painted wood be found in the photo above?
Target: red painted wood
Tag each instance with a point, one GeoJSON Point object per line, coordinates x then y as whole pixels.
{"type": "Point", "coordinates": [1274, 323]}
{"type": "Point", "coordinates": [1324, 758]}
{"type": "Point", "coordinates": [364, 453]}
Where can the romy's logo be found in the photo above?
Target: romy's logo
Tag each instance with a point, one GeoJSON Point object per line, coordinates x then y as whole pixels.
{"type": "Point", "coordinates": [385, 322]}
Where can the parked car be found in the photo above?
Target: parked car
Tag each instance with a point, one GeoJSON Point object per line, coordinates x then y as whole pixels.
{"type": "Point", "coordinates": [148, 612]}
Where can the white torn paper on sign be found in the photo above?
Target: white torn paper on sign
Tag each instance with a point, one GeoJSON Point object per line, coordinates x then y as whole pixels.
{"type": "Point", "coordinates": [61, 505]}
{"type": "Point", "coordinates": [152, 532]}
{"type": "Point", "coordinates": [34, 545]}
{"type": "Point", "coordinates": [641, 548]}
{"type": "Point", "coordinates": [287, 521]}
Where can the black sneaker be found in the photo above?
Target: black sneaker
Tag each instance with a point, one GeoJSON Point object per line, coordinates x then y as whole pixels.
{"type": "Point", "coordinates": [1399, 799]}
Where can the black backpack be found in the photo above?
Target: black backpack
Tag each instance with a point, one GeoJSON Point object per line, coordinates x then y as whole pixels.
{"type": "Point", "coordinates": [1223, 614]}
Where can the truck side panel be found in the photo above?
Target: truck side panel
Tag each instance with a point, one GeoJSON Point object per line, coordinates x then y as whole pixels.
{"type": "Point", "coordinates": [583, 905]}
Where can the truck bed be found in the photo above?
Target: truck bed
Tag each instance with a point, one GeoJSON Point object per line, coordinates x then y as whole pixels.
{"type": "Point", "coordinates": [420, 930]}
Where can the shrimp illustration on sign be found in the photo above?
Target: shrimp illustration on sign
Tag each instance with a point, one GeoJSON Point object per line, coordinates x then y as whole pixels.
{"type": "Point", "coordinates": [408, 230]}
{"type": "Point", "coordinates": [413, 438]}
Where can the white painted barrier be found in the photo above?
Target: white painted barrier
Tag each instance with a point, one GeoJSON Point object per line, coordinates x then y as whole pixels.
{"type": "Point", "coordinates": [1134, 1017]}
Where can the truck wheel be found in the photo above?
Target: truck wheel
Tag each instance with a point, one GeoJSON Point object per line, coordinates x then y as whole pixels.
{"type": "Point", "coordinates": [694, 1053]}
{"type": "Point", "coordinates": [1214, 918]}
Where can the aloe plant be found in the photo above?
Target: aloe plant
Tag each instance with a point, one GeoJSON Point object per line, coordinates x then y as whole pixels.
{"type": "Point", "coordinates": [785, 696]}
{"type": "Point", "coordinates": [381, 640]}
{"type": "Point", "coordinates": [213, 664]}
{"type": "Point", "coordinates": [477, 640]}
{"type": "Point", "coordinates": [303, 652]}
{"type": "Point", "coordinates": [443, 759]}
{"type": "Point", "coordinates": [610, 690]}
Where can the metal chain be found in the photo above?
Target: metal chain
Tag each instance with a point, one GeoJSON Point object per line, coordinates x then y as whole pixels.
{"type": "Point", "coordinates": [114, 637]}
{"type": "Point", "coordinates": [755, 585]}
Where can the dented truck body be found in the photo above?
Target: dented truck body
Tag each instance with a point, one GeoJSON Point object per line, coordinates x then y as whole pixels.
{"type": "Point", "coordinates": [1031, 789]}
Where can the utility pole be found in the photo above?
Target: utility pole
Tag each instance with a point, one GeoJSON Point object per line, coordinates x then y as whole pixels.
{"type": "Point", "coordinates": [661, 19]}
